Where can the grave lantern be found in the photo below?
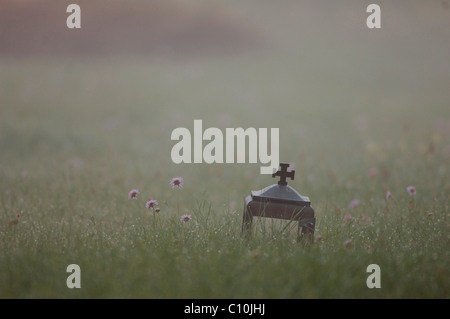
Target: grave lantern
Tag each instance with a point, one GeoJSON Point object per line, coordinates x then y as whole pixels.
{"type": "Point", "coordinates": [283, 202]}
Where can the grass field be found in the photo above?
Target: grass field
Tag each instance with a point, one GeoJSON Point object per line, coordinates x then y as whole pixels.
{"type": "Point", "coordinates": [76, 135]}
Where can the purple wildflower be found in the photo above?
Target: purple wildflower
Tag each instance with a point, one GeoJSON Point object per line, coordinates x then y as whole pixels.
{"type": "Point", "coordinates": [411, 190]}
{"type": "Point", "coordinates": [354, 203]}
{"type": "Point", "coordinates": [186, 218]}
{"type": "Point", "coordinates": [347, 217]}
{"type": "Point", "coordinates": [151, 203]}
{"type": "Point", "coordinates": [388, 195]}
{"type": "Point", "coordinates": [176, 182]}
{"type": "Point", "coordinates": [133, 194]}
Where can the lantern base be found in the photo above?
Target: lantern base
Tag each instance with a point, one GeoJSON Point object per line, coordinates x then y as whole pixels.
{"type": "Point", "coordinates": [304, 215]}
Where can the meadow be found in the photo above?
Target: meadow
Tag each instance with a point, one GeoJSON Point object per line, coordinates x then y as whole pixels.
{"type": "Point", "coordinates": [76, 135]}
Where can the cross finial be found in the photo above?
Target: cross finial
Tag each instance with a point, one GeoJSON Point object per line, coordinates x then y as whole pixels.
{"type": "Point", "coordinates": [283, 173]}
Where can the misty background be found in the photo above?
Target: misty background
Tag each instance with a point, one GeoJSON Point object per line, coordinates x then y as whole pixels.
{"type": "Point", "coordinates": [138, 69]}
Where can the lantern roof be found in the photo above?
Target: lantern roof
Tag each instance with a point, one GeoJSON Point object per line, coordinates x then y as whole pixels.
{"type": "Point", "coordinates": [281, 192]}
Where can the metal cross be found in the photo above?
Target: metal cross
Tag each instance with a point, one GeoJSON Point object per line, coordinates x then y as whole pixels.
{"type": "Point", "coordinates": [283, 173]}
